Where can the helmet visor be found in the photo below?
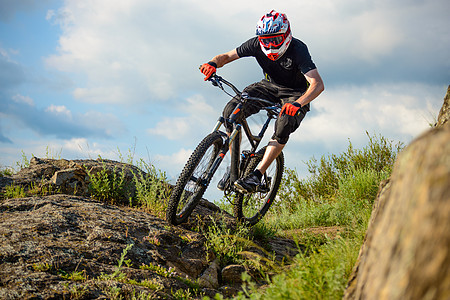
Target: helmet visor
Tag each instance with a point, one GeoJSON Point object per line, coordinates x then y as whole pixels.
{"type": "Point", "coordinates": [273, 41]}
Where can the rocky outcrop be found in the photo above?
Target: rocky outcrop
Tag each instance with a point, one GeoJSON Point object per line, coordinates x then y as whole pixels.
{"type": "Point", "coordinates": [406, 253]}
{"type": "Point", "coordinates": [44, 240]}
{"type": "Point", "coordinates": [71, 246]}
{"type": "Point", "coordinates": [444, 113]}
{"type": "Point", "coordinates": [72, 176]}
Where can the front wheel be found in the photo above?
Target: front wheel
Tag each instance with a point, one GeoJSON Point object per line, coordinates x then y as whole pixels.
{"type": "Point", "coordinates": [250, 208]}
{"type": "Point", "coordinates": [193, 180]}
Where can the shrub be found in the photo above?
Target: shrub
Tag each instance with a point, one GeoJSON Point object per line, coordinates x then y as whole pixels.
{"type": "Point", "coordinates": [227, 243]}
{"type": "Point", "coordinates": [5, 171]}
{"type": "Point", "coordinates": [152, 188]}
{"type": "Point", "coordinates": [361, 184]}
{"type": "Point", "coordinates": [14, 191]}
{"type": "Point", "coordinates": [109, 186]}
{"type": "Point", "coordinates": [327, 173]}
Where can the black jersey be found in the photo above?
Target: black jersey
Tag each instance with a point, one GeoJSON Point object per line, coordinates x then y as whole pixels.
{"type": "Point", "coordinates": [288, 70]}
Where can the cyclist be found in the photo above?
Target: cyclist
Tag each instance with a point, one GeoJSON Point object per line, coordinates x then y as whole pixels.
{"type": "Point", "coordinates": [291, 77]}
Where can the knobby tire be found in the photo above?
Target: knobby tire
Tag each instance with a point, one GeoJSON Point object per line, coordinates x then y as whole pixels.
{"type": "Point", "coordinates": [250, 208]}
{"type": "Point", "coordinates": [191, 184]}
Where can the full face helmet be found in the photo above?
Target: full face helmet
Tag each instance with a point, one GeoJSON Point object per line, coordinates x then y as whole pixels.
{"type": "Point", "coordinates": [274, 34]}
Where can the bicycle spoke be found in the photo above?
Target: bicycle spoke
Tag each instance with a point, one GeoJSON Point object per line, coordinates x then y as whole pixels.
{"type": "Point", "coordinates": [193, 180]}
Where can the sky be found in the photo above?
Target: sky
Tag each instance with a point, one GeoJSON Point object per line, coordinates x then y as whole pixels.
{"type": "Point", "coordinates": [117, 79]}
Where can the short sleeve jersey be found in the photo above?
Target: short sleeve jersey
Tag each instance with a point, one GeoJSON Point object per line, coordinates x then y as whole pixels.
{"type": "Point", "coordinates": [288, 70]}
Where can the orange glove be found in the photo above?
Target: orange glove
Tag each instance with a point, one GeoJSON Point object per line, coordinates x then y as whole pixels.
{"type": "Point", "coordinates": [208, 69]}
{"type": "Point", "coordinates": [290, 109]}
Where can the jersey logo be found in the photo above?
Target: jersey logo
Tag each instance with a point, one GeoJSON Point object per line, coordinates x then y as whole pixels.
{"type": "Point", "coordinates": [286, 63]}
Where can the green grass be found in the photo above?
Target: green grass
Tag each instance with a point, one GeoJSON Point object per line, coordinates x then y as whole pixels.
{"type": "Point", "coordinates": [14, 191]}
{"type": "Point", "coordinates": [327, 173]}
{"type": "Point", "coordinates": [339, 192]}
{"type": "Point", "coordinates": [6, 171]}
{"type": "Point", "coordinates": [152, 188]}
{"type": "Point", "coordinates": [320, 275]}
{"type": "Point", "coordinates": [151, 184]}
{"type": "Point", "coordinates": [108, 186]}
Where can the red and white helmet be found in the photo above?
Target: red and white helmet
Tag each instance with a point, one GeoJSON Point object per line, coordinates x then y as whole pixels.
{"type": "Point", "coordinates": [274, 34]}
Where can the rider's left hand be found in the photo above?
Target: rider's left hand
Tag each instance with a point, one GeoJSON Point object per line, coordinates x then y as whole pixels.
{"type": "Point", "coordinates": [290, 109]}
{"type": "Point", "coordinates": [208, 69]}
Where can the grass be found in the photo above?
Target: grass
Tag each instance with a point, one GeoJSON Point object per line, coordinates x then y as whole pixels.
{"type": "Point", "coordinates": [152, 188]}
{"type": "Point", "coordinates": [327, 173]}
{"type": "Point", "coordinates": [14, 191]}
{"type": "Point", "coordinates": [6, 171]}
{"type": "Point", "coordinates": [339, 192]}
{"type": "Point", "coordinates": [321, 275]}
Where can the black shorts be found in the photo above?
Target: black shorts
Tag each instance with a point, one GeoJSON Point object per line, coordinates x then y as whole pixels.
{"type": "Point", "coordinates": [284, 125]}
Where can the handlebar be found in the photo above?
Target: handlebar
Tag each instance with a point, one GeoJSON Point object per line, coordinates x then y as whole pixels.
{"type": "Point", "coordinates": [217, 80]}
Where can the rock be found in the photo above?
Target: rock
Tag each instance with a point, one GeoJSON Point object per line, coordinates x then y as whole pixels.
{"type": "Point", "coordinates": [229, 291]}
{"type": "Point", "coordinates": [444, 113]}
{"type": "Point", "coordinates": [71, 181]}
{"type": "Point", "coordinates": [5, 181]}
{"type": "Point", "coordinates": [44, 238]}
{"type": "Point", "coordinates": [406, 253]}
{"type": "Point", "coordinates": [283, 248]}
{"type": "Point", "coordinates": [206, 214]}
{"type": "Point", "coordinates": [233, 273]}
{"type": "Point", "coordinates": [210, 278]}
{"type": "Point", "coordinates": [70, 176]}
{"type": "Point", "coordinates": [68, 245]}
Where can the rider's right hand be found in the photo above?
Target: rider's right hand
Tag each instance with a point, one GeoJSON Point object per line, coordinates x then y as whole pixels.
{"type": "Point", "coordinates": [208, 69]}
{"type": "Point", "coordinates": [290, 109]}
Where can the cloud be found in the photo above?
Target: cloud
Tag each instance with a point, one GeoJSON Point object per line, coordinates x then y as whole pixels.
{"type": "Point", "coordinates": [198, 115]}
{"type": "Point", "coordinates": [398, 111]}
{"type": "Point", "coordinates": [82, 148]}
{"type": "Point", "coordinates": [378, 41]}
{"type": "Point", "coordinates": [133, 52]}
{"type": "Point", "coordinates": [23, 100]}
{"type": "Point", "coordinates": [3, 138]}
{"type": "Point", "coordinates": [59, 110]}
{"type": "Point", "coordinates": [173, 162]}
{"type": "Point", "coordinates": [128, 45]}
{"type": "Point", "coordinates": [12, 74]}
{"type": "Point", "coordinates": [112, 94]}
{"type": "Point", "coordinates": [58, 120]}
{"type": "Point", "coordinates": [20, 111]}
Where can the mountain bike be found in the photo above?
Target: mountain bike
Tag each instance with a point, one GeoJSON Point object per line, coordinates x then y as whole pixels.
{"type": "Point", "coordinates": [209, 154]}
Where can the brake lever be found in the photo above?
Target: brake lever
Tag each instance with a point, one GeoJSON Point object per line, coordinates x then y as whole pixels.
{"type": "Point", "coordinates": [215, 80]}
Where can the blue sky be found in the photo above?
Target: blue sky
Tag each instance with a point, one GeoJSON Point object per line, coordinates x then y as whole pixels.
{"type": "Point", "coordinates": [83, 78]}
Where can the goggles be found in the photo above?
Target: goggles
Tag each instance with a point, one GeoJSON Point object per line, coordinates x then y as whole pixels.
{"type": "Point", "coordinates": [273, 41]}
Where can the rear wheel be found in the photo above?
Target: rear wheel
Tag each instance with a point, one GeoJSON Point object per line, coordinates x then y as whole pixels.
{"type": "Point", "coordinates": [192, 183]}
{"type": "Point", "coordinates": [250, 208]}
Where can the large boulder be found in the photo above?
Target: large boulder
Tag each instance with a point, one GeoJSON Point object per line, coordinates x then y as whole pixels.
{"type": "Point", "coordinates": [406, 253]}
{"type": "Point", "coordinates": [444, 113]}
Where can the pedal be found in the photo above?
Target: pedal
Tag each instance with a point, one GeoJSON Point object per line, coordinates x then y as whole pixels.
{"type": "Point", "coordinates": [240, 190]}
{"type": "Point", "coordinates": [262, 189]}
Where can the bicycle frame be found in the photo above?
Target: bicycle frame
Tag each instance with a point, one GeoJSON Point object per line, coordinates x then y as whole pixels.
{"type": "Point", "coordinates": [234, 139]}
{"type": "Point", "coordinates": [209, 154]}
